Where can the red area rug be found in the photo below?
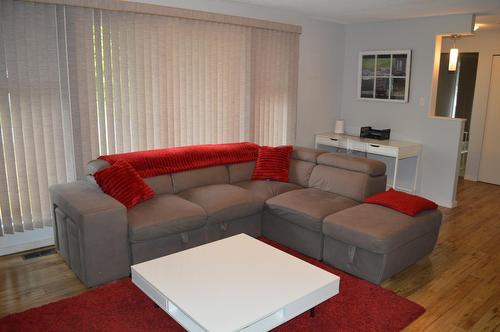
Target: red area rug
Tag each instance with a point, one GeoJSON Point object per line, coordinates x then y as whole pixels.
{"type": "Point", "coordinates": [120, 306]}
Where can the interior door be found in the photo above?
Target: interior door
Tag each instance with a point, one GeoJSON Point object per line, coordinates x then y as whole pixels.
{"type": "Point", "coordinates": [489, 168]}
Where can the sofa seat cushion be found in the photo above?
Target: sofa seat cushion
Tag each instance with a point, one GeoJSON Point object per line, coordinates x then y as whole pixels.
{"type": "Point", "coordinates": [164, 215]}
{"type": "Point", "coordinates": [308, 207]}
{"type": "Point", "coordinates": [267, 189]}
{"type": "Point", "coordinates": [379, 229]}
{"type": "Point", "coordinates": [224, 202]}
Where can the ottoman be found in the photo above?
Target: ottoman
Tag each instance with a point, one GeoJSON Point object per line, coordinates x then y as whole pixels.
{"type": "Point", "coordinates": [374, 242]}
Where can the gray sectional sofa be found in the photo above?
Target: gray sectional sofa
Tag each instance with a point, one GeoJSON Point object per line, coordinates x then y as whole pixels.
{"type": "Point", "coordinates": [319, 212]}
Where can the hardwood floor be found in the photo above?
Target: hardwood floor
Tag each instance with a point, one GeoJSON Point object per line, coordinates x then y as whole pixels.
{"type": "Point", "coordinates": [458, 284]}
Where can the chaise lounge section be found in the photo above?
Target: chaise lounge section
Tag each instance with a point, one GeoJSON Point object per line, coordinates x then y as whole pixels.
{"type": "Point", "coordinates": [319, 212]}
{"type": "Point", "coordinates": [374, 242]}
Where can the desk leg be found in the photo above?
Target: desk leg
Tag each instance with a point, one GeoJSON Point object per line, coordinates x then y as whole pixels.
{"type": "Point", "coordinates": [395, 173]}
{"type": "Point", "coordinates": [419, 155]}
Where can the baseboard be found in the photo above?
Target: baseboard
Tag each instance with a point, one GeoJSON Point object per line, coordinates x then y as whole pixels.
{"type": "Point", "coordinates": [27, 240]}
{"type": "Point", "coordinates": [470, 178]}
{"type": "Point", "coordinates": [449, 205]}
{"type": "Point", "coordinates": [453, 204]}
{"type": "Point", "coordinates": [446, 204]}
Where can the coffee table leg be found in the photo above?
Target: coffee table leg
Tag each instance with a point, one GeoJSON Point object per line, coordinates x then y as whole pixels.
{"type": "Point", "coordinates": [312, 312]}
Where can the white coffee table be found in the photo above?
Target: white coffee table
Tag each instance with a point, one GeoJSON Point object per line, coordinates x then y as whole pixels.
{"type": "Point", "coordinates": [235, 284]}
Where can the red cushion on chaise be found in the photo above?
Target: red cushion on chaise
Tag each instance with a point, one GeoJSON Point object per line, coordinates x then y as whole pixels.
{"type": "Point", "coordinates": [402, 202]}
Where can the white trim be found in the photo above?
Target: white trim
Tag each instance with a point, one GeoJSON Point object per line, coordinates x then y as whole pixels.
{"type": "Point", "coordinates": [407, 77]}
{"type": "Point", "coordinates": [65, 99]}
{"type": "Point", "coordinates": [446, 204]}
{"type": "Point", "coordinates": [27, 240]}
{"type": "Point", "coordinates": [470, 178]}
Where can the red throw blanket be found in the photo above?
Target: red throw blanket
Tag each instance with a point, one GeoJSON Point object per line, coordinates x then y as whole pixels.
{"type": "Point", "coordinates": [171, 160]}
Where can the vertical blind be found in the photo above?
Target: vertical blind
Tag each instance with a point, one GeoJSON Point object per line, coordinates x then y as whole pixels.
{"type": "Point", "coordinates": [79, 82]}
{"type": "Point", "coordinates": [32, 134]}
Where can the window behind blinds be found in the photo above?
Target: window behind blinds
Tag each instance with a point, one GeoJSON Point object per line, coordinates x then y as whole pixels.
{"type": "Point", "coordinates": [79, 82]}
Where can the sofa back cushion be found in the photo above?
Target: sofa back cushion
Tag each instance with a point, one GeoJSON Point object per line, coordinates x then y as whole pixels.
{"type": "Point", "coordinates": [161, 184]}
{"type": "Point", "coordinates": [352, 163]}
{"type": "Point", "coordinates": [240, 172]}
{"type": "Point", "coordinates": [200, 177]}
{"type": "Point", "coordinates": [302, 163]}
{"type": "Point", "coordinates": [300, 172]}
{"type": "Point", "coordinates": [348, 183]}
{"type": "Point", "coordinates": [96, 165]}
{"type": "Point", "coordinates": [306, 154]}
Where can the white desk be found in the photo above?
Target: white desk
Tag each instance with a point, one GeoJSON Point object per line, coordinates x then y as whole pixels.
{"type": "Point", "coordinates": [235, 284]}
{"type": "Point", "coordinates": [389, 148]}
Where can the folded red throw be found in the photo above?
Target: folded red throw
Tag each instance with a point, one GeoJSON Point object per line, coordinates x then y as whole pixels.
{"type": "Point", "coordinates": [163, 161]}
{"type": "Point", "coordinates": [402, 202]}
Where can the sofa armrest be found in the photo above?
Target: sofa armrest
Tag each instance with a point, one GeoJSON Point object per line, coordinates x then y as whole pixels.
{"type": "Point", "coordinates": [91, 232]}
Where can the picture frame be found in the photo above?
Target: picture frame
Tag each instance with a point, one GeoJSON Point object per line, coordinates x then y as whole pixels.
{"type": "Point", "coordinates": [384, 75]}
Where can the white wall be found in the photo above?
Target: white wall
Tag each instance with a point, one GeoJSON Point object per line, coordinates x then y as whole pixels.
{"type": "Point", "coordinates": [486, 43]}
{"type": "Point", "coordinates": [320, 64]}
{"type": "Point", "coordinates": [409, 121]}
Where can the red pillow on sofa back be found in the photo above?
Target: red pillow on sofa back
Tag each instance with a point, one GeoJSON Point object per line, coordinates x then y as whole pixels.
{"type": "Point", "coordinates": [402, 202]}
{"type": "Point", "coordinates": [273, 163]}
{"type": "Point", "coordinates": [123, 183]}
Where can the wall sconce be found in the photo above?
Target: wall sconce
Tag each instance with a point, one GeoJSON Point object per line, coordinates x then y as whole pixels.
{"type": "Point", "coordinates": [452, 64]}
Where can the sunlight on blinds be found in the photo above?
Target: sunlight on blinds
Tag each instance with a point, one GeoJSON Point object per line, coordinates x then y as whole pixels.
{"type": "Point", "coordinates": [79, 82]}
{"type": "Point", "coordinates": [32, 135]}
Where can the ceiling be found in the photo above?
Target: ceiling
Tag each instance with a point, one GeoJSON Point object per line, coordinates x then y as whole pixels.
{"type": "Point", "coordinates": [358, 11]}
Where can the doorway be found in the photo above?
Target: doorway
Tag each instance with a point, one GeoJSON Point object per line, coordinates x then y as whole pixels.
{"type": "Point", "coordinates": [455, 95]}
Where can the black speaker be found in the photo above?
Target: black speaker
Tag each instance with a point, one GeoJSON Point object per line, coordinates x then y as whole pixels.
{"type": "Point", "coordinates": [381, 134]}
{"type": "Point", "coordinates": [365, 131]}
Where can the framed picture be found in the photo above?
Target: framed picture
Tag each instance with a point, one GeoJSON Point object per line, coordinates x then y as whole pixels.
{"type": "Point", "coordinates": [384, 75]}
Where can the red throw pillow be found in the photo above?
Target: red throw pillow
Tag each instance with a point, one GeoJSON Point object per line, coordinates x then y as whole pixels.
{"type": "Point", "coordinates": [402, 202]}
{"type": "Point", "coordinates": [273, 163]}
{"type": "Point", "coordinates": [123, 183]}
